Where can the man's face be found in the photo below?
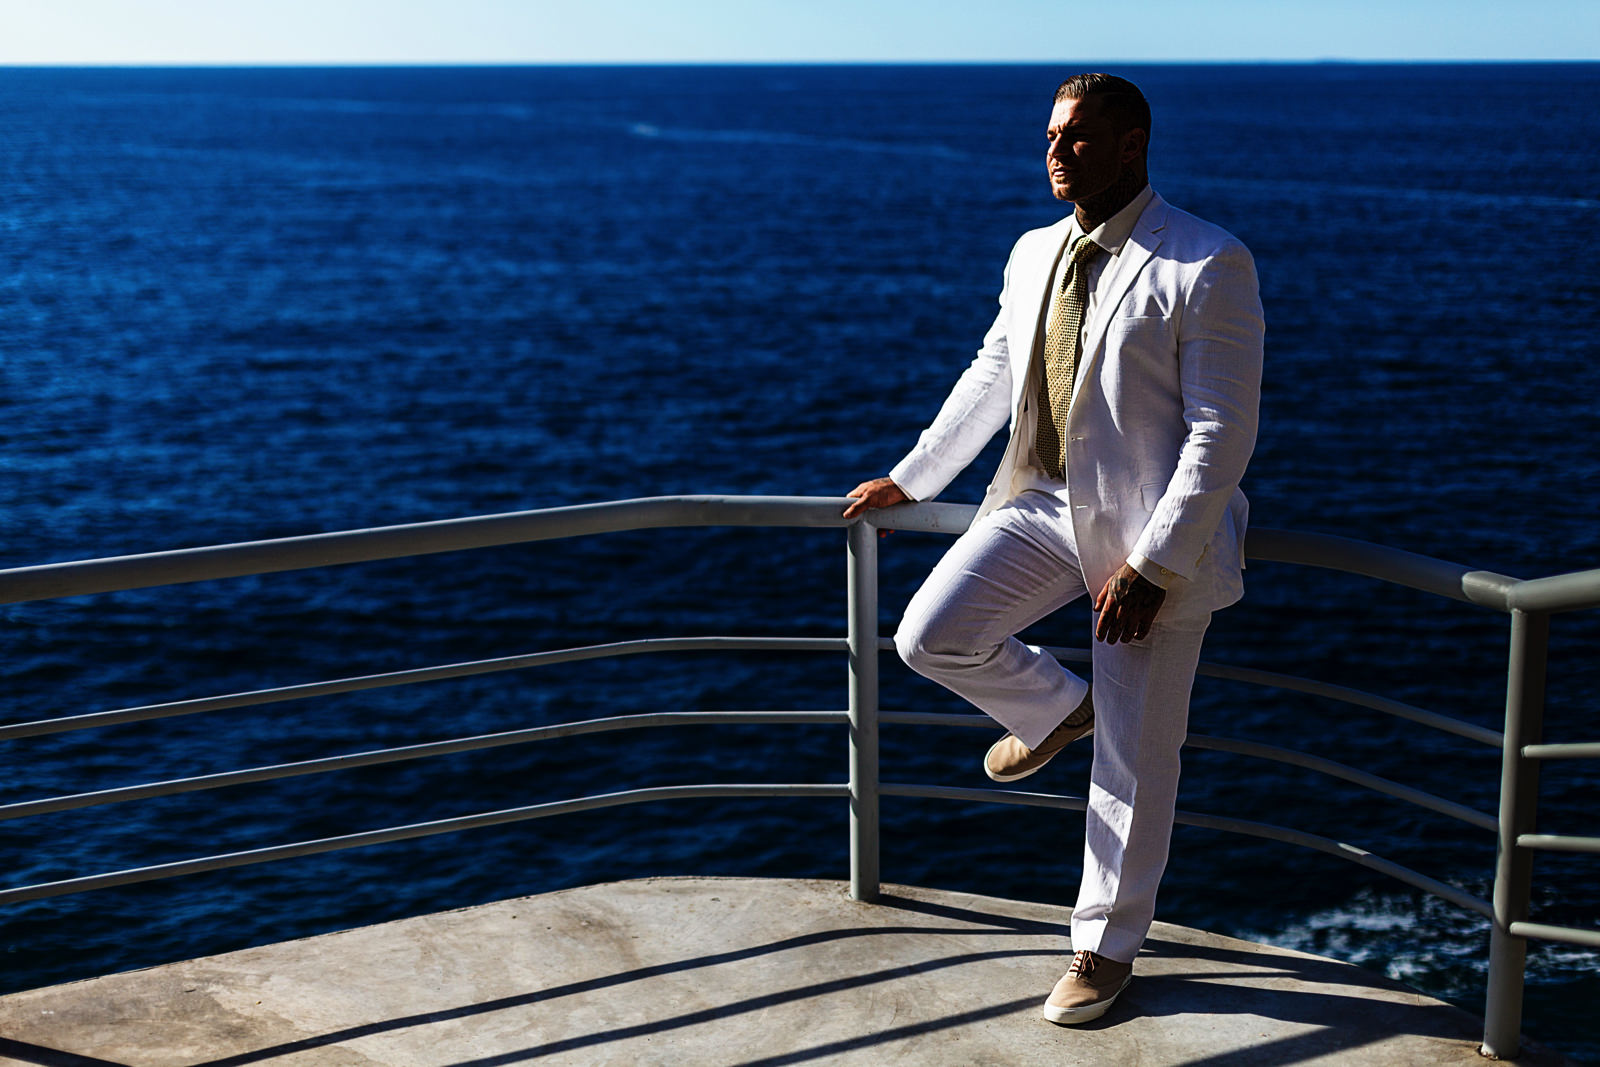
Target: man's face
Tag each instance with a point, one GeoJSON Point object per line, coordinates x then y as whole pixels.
{"type": "Point", "coordinates": [1086, 155]}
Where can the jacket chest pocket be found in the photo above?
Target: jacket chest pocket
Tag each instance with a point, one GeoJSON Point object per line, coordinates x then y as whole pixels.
{"type": "Point", "coordinates": [1143, 348]}
{"type": "Point", "coordinates": [1154, 331]}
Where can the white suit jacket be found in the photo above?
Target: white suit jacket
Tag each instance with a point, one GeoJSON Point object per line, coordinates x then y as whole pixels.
{"type": "Point", "coordinates": [1163, 415]}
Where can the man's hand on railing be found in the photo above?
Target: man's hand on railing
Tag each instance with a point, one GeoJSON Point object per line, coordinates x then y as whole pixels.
{"type": "Point", "coordinates": [878, 493]}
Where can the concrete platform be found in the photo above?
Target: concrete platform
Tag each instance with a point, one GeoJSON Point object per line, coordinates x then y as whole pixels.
{"type": "Point", "coordinates": [710, 971]}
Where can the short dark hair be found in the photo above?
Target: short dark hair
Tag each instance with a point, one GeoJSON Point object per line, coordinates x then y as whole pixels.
{"type": "Point", "coordinates": [1122, 100]}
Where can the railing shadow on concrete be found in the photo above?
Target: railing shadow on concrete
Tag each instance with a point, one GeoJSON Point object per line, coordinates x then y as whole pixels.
{"type": "Point", "coordinates": [1528, 603]}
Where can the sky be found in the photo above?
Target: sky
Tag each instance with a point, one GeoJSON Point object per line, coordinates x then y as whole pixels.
{"type": "Point", "coordinates": [181, 32]}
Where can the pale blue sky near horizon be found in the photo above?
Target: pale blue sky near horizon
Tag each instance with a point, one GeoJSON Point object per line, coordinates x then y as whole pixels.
{"type": "Point", "coordinates": [244, 32]}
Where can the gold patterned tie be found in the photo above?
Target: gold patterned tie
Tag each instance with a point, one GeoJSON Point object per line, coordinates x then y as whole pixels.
{"type": "Point", "coordinates": [1061, 341]}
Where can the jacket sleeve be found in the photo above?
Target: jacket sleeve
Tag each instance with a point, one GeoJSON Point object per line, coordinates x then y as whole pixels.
{"type": "Point", "coordinates": [978, 406]}
{"type": "Point", "coordinates": [1220, 334]}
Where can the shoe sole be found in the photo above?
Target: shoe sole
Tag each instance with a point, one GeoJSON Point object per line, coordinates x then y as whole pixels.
{"type": "Point", "coordinates": [1085, 1014]}
{"type": "Point", "coordinates": [1020, 775]}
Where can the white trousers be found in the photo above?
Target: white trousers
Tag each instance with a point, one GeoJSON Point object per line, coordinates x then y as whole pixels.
{"type": "Point", "coordinates": [1016, 565]}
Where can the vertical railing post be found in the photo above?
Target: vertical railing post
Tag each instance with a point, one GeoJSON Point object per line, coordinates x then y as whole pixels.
{"type": "Point", "coordinates": [862, 598]}
{"type": "Point", "coordinates": [1519, 803]}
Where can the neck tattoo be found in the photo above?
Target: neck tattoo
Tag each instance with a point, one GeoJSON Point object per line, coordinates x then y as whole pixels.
{"type": "Point", "coordinates": [1096, 209]}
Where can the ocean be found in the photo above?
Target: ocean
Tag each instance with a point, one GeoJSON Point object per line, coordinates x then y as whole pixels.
{"type": "Point", "coordinates": [250, 303]}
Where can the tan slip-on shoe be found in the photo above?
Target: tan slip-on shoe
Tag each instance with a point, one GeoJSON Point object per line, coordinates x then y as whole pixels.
{"type": "Point", "coordinates": [1009, 760]}
{"type": "Point", "coordinates": [1089, 987]}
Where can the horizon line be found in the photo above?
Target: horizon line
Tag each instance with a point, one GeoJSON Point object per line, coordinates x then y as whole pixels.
{"type": "Point", "coordinates": [495, 63]}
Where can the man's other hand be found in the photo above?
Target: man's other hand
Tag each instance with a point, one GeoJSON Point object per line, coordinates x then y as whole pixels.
{"type": "Point", "coordinates": [1127, 605]}
{"type": "Point", "coordinates": [878, 493]}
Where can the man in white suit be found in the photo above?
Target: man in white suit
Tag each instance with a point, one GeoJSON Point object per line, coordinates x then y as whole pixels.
{"type": "Point", "coordinates": [1126, 359]}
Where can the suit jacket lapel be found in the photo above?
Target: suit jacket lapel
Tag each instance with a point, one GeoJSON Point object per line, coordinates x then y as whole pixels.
{"type": "Point", "coordinates": [1125, 267]}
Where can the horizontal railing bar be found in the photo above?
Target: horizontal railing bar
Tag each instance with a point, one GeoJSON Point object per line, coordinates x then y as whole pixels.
{"type": "Point", "coordinates": [117, 573]}
{"type": "Point", "coordinates": [1344, 694]}
{"type": "Point", "coordinates": [420, 674]}
{"type": "Point", "coordinates": [1345, 851]}
{"type": "Point", "coordinates": [329, 764]}
{"type": "Point", "coordinates": [1062, 652]}
{"type": "Point", "coordinates": [1249, 748]}
{"type": "Point", "coordinates": [1572, 935]}
{"type": "Point", "coordinates": [405, 833]}
{"type": "Point", "coordinates": [936, 718]}
{"type": "Point", "coordinates": [1410, 569]}
{"type": "Point", "coordinates": [1559, 592]}
{"type": "Point", "coordinates": [1458, 727]}
{"type": "Point", "coordinates": [1350, 774]}
{"type": "Point", "coordinates": [1582, 750]}
{"type": "Point", "coordinates": [1559, 843]}
{"type": "Point", "coordinates": [924, 517]}
{"type": "Point", "coordinates": [1386, 564]}
{"type": "Point", "coordinates": [985, 796]}
{"type": "Point", "coordinates": [1340, 849]}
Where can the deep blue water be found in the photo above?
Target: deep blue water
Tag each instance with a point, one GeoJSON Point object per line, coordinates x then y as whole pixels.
{"type": "Point", "coordinates": [239, 304]}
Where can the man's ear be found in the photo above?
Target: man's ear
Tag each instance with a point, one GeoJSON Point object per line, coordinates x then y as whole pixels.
{"type": "Point", "coordinates": [1134, 143]}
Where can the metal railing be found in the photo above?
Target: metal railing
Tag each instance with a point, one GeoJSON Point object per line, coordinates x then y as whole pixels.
{"type": "Point", "coordinates": [1529, 603]}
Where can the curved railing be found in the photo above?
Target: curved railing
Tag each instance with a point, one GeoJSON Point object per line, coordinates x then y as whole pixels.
{"type": "Point", "coordinates": [1529, 603]}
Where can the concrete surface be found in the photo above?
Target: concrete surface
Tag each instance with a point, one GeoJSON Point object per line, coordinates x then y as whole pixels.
{"type": "Point", "coordinates": [714, 971]}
